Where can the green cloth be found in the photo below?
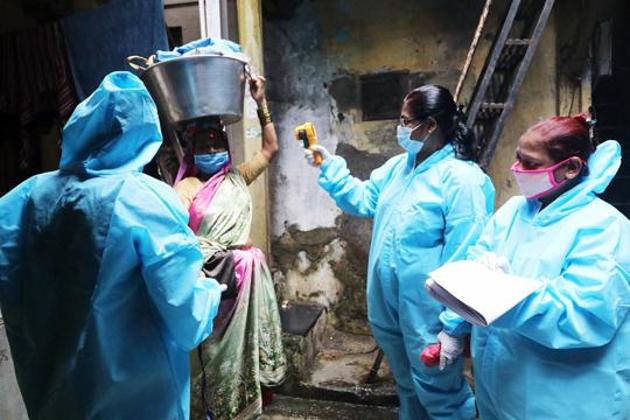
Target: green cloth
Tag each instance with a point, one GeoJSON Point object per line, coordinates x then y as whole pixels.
{"type": "Point", "coordinates": [249, 352]}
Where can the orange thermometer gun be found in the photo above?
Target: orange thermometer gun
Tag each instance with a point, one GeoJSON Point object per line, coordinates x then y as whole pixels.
{"type": "Point", "coordinates": [306, 134]}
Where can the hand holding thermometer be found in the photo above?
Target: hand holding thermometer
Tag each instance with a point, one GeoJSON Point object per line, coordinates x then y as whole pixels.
{"type": "Point", "coordinates": [306, 134]}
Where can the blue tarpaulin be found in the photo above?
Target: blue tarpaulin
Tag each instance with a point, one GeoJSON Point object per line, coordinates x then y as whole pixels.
{"type": "Point", "coordinates": [99, 41]}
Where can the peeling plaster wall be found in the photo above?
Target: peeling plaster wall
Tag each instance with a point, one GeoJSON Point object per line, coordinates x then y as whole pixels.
{"type": "Point", "coordinates": [315, 54]}
{"type": "Point", "coordinates": [313, 60]}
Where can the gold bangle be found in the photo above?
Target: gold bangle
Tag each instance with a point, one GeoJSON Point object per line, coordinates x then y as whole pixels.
{"type": "Point", "coordinates": [264, 116]}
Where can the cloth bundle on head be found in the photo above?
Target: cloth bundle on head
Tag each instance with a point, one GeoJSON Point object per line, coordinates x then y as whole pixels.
{"type": "Point", "coordinates": [204, 46]}
{"type": "Point", "coordinates": [100, 40]}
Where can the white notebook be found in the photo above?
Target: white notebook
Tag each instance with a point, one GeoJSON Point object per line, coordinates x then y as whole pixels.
{"type": "Point", "coordinates": [475, 292]}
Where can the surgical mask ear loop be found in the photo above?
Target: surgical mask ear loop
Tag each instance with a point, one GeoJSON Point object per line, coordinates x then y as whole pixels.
{"type": "Point", "coordinates": [416, 127]}
{"type": "Point", "coordinates": [427, 137]}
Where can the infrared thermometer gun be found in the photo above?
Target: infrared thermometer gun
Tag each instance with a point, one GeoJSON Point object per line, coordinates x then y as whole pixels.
{"type": "Point", "coordinates": [306, 134]}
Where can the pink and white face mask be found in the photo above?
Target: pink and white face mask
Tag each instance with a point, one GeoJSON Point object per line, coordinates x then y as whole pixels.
{"type": "Point", "coordinates": [534, 183]}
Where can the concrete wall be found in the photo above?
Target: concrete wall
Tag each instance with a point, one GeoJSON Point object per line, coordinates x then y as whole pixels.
{"type": "Point", "coordinates": [314, 56]}
{"type": "Point", "coordinates": [11, 404]}
{"type": "Point", "coordinates": [313, 59]}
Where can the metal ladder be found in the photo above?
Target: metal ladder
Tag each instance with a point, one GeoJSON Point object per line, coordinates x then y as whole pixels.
{"type": "Point", "coordinates": [504, 71]}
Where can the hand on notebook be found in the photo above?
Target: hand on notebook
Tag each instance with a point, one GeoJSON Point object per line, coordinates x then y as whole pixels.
{"type": "Point", "coordinates": [494, 262]}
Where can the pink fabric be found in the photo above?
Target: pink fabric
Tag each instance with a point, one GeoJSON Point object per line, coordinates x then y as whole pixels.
{"type": "Point", "coordinates": [204, 197]}
{"type": "Point", "coordinates": [186, 169]}
{"type": "Point", "coordinates": [245, 259]}
{"type": "Point", "coordinates": [244, 262]}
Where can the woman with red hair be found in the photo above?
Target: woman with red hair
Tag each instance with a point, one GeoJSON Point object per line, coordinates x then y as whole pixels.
{"type": "Point", "coordinates": [562, 353]}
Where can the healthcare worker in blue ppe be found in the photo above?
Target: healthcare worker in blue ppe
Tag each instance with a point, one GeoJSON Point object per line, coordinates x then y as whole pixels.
{"type": "Point", "coordinates": [429, 204]}
{"type": "Point", "coordinates": [564, 352]}
{"type": "Point", "coordinates": [99, 272]}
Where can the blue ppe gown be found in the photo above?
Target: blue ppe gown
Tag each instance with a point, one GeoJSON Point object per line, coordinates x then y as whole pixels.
{"type": "Point", "coordinates": [564, 352]}
{"type": "Point", "coordinates": [423, 217]}
{"type": "Point", "coordinates": [99, 273]}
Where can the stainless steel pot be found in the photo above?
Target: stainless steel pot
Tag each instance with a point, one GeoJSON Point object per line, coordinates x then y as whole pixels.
{"type": "Point", "coordinates": [197, 86]}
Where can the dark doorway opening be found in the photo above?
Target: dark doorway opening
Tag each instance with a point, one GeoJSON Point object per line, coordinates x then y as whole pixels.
{"type": "Point", "coordinates": [611, 96]}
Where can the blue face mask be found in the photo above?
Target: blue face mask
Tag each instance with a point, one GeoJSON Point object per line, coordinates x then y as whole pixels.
{"type": "Point", "coordinates": [211, 163]}
{"type": "Point", "coordinates": [403, 134]}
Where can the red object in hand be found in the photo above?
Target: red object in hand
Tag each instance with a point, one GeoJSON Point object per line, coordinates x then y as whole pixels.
{"type": "Point", "coordinates": [431, 355]}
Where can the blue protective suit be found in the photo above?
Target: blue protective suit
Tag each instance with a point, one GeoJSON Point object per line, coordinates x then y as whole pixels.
{"type": "Point", "coordinates": [99, 272]}
{"type": "Point", "coordinates": [564, 352]}
{"type": "Point", "coordinates": [423, 217]}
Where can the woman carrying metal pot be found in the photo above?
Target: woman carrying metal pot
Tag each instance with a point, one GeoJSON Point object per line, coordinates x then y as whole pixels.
{"type": "Point", "coordinates": [245, 350]}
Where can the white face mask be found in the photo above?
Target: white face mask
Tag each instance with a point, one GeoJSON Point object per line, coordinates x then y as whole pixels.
{"type": "Point", "coordinates": [535, 183]}
{"type": "Point", "coordinates": [403, 135]}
